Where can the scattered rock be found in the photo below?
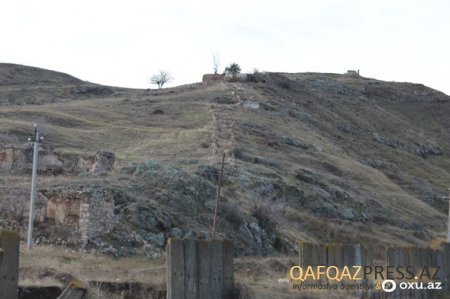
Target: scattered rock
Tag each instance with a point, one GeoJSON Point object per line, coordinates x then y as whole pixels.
{"type": "Point", "coordinates": [417, 148]}
{"type": "Point", "coordinates": [308, 176]}
{"type": "Point", "coordinates": [157, 111]}
{"type": "Point", "coordinates": [348, 129]}
{"type": "Point", "coordinates": [91, 91]}
{"type": "Point", "coordinates": [295, 143]}
{"type": "Point", "coordinates": [250, 104]}
{"type": "Point", "coordinates": [103, 162]}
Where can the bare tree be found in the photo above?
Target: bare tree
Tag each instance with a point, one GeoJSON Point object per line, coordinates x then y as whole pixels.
{"type": "Point", "coordinates": [161, 78]}
{"type": "Point", "coordinates": [216, 63]}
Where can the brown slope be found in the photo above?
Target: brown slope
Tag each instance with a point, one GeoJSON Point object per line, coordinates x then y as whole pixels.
{"type": "Point", "coordinates": [330, 157]}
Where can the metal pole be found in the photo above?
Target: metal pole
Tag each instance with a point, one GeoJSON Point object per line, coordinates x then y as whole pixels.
{"type": "Point", "coordinates": [448, 225]}
{"type": "Point", "coordinates": [36, 141]}
{"type": "Point", "coordinates": [217, 199]}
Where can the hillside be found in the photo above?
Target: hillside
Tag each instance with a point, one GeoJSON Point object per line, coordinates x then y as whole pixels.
{"type": "Point", "coordinates": [312, 156]}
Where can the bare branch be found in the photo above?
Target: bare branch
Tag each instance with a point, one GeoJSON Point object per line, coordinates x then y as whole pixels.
{"type": "Point", "coordinates": [216, 63]}
{"type": "Point", "coordinates": [161, 78]}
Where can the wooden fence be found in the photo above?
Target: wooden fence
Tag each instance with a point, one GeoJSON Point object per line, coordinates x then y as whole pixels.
{"type": "Point", "coordinates": [351, 255]}
{"type": "Point", "coordinates": [9, 264]}
{"type": "Point", "coordinates": [199, 269]}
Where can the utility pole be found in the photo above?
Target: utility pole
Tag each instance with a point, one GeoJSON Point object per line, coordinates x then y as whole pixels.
{"type": "Point", "coordinates": [448, 225]}
{"type": "Point", "coordinates": [36, 140]}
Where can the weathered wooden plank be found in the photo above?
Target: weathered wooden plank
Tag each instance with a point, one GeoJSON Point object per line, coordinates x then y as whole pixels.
{"type": "Point", "coordinates": [175, 269]}
{"type": "Point", "coordinates": [204, 268]}
{"type": "Point", "coordinates": [216, 269]}
{"type": "Point", "coordinates": [9, 266]}
{"type": "Point", "coordinates": [191, 268]}
{"type": "Point", "coordinates": [228, 268]}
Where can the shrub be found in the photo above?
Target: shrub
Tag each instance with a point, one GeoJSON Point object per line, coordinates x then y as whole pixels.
{"type": "Point", "coordinates": [262, 213]}
{"type": "Point", "coordinates": [233, 70]}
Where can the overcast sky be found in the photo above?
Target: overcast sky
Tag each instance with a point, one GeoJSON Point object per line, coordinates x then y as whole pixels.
{"type": "Point", "coordinates": [122, 43]}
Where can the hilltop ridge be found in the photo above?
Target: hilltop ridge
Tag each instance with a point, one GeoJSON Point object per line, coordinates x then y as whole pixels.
{"type": "Point", "coordinates": [311, 156]}
{"type": "Point", "coordinates": [15, 74]}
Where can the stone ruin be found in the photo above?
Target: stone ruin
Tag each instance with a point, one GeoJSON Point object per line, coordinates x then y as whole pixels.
{"type": "Point", "coordinates": [213, 78]}
{"type": "Point", "coordinates": [208, 78]}
{"type": "Point", "coordinates": [18, 159]}
{"type": "Point", "coordinates": [79, 214]}
{"type": "Point", "coordinates": [352, 73]}
{"type": "Point", "coordinates": [102, 162]}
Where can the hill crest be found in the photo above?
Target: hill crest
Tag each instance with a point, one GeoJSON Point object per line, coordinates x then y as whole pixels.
{"type": "Point", "coordinates": [14, 74]}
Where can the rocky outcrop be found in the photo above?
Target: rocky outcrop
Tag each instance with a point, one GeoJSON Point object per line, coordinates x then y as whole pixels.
{"type": "Point", "coordinates": [422, 149]}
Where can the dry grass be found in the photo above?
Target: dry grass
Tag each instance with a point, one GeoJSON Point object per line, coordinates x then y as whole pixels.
{"type": "Point", "coordinates": [123, 125]}
{"type": "Point", "coordinates": [56, 260]}
{"type": "Point", "coordinates": [259, 278]}
{"type": "Point", "coordinates": [255, 277]}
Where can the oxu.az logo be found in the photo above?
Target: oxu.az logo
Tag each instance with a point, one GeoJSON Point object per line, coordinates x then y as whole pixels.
{"type": "Point", "coordinates": [389, 285]}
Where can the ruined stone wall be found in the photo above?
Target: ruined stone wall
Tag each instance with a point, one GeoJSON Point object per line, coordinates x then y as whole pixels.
{"type": "Point", "coordinates": [61, 208]}
{"type": "Point", "coordinates": [213, 77]}
{"type": "Point", "coordinates": [96, 218]}
{"type": "Point", "coordinates": [89, 213]}
{"type": "Point", "coordinates": [19, 159]}
{"type": "Point", "coordinates": [81, 214]}
{"type": "Point", "coordinates": [16, 159]}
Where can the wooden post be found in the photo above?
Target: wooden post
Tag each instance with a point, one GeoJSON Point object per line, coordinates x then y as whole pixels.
{"type": "Point", "coordinates": [228, 268]}
{"type": "Point", "coordinates": [175, 269]}
{"type": "Point", "coordinates": [9, 264]}
{"type": "Point", "coordinates": [204, 266]}
{"type": "Point", "coordinates": [199, 269]}
{"type": "Point", "coordinates": [191, 268]}
{"type": "Point", "coordinates": [213, 234]}
{"type": "Point", "coordinates": [216, 271]}
{"type": "Point", "coordinates": [448, 220]}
